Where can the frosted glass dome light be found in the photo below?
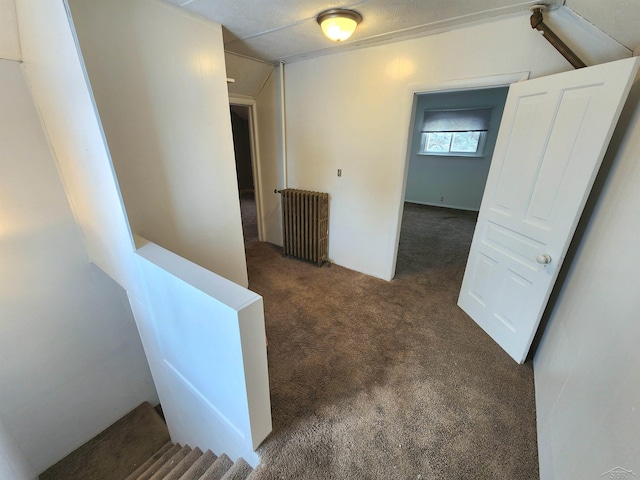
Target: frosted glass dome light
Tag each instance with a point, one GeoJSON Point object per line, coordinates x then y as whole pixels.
{"type": "Point", "coordinates": [339, 24]}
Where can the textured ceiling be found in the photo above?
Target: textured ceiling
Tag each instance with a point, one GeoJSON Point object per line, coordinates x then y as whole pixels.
{"type": "Point", "coordinates": [274, 30]}
{"type": "Point", "coordinates": [620, 19]}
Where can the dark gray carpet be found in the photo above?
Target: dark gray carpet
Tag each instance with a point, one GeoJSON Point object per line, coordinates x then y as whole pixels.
{"type": "Point", "coordinates": [389, 380]}
{"type": "Point", "coordinates": [249, 217]}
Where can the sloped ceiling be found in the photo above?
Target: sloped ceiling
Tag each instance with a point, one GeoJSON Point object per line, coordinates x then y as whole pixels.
{"type": "Point", "coordinates": [620, 19]}
{"type": "Point", "coordinates": [275, 30]}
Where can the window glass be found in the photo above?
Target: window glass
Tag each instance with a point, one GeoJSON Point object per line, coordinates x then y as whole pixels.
{"type": "Point", "coordinates": [438, 142]}
{"type": "Point", "coordinates": [458, 132]}
{"type": "Point", "coordinates": [465, 142]}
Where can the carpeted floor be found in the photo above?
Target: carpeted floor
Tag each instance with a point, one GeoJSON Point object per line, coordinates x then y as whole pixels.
{"type": "Point", "coordinates": [115, 452]}
{"type": "Point", "coordinates": [389, 380]}
{"type": "Point", "coordinates": [249, 218]}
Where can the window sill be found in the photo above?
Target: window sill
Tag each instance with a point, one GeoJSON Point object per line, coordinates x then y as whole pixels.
{"type": "Point", "coordinates": [452, 155]}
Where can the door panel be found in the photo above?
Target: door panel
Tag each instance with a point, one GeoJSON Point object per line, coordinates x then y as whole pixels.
{"type": "Point", "coordinates": [552, 139]}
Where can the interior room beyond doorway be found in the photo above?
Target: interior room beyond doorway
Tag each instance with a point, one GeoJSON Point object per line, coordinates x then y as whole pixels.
{"type": "Point", "coordinates": [240, 124]}
{"type": "Point", "coordinates": [452, 140]}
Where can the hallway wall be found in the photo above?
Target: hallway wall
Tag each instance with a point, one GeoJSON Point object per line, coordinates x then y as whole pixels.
{"type": "Point", "coordinates": [160, 89]}
{"type": "Point", "coordinates": [269, 109]}
{"type": "Point", "coordinates": [352, 111]}
{"type": "Point", "coordinates": [163, 288]}
{"type": "Point", "coordinates": [587, 368]}
{"type": "Point", "coordinates": [9, 39]}
{"type": "Point", "coordinates": [13, 464]}
{"type": "Point", "coordinates": [71, 358]}
{"type": "Point", "coordinates": [348, 123]}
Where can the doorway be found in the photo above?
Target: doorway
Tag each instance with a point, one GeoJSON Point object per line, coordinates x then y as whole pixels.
{"type": "Point", "coordinates": [247, 168]}
{"type": "Point", "coordinates": [451, 142]}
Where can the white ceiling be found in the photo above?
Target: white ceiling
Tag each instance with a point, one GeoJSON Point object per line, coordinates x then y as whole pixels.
{"type": "Point", "coordinates": [275, 30]}
{"type": "Point", "coordinates": [620, 19]}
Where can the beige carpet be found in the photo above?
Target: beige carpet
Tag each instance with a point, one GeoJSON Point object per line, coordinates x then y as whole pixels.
{"type": "Point", "coordinates": [389, 380]}
{"type": "Point", "coordinates": [137, 447]}
{"type": "Point", "coordinates": [117, 451]}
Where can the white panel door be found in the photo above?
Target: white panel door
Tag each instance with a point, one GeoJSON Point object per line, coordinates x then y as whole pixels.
{"type": "Point", "coordinates": [553, 136]}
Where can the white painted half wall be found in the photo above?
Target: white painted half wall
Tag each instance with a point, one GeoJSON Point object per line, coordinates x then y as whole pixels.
{"type": "Point", "coordinates": [587, 367]}
{"type": "Point", "coordinates": [71, 358]}
{"type": "Point", "coordinates": [352, 110]}
{"type": "Point", "coordinates": [159, 80]}
{"type": "Point", "coordinates": [205, 339]}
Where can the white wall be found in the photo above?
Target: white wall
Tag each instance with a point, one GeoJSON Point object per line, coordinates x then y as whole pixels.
{"type": "Point", "coordinates": [159, 82]}
{"type": "Point", "coordinates": [587, 368]}
{"type": "Point", "coordinates": [72, 361]}
{"type": "Point", "coordinates": [249, 74]}
{"type": "Point", "coordinates": [56, 77]}
{"type": "Point", "coordinates": [269, 107]}
{"type": "Point", "coordinates": [352, 111]}
{"type": "Point", "coordinates": [13, 464]}
{"type": "Point", "coordinates": [260, 82]}
{"type": "Point", "coordinates": [9, 39]}
{"type": "Point", "coordinates": [55, 73]}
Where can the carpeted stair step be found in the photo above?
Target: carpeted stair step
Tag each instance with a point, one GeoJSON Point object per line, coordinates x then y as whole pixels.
{"type": "Point", "coordinates": [187, 464]}
{"type": "Point", "coordinates": [151, 460]}
{"type": "Point", "coordinates": [239, 471]}
{"type": "Point", "coordinates": [200, 466]}
{"type": "Point", "coordinates": [184, 464]}
{"type": "Point", "coordinates": [116, 451]}
{"type": "Point", "coordinates": [157, 465]}
{"type": "Point", "coordinates": [138, 447]}
{"type": "Point", "coordinates": [171, 463]}
{"type": "Point", "coordinates": [217, 470]}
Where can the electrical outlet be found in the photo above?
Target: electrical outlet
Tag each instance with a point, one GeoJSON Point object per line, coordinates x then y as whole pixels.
{"type": "Point", "coordinates": [442, 199]}
{"type": "Point", "coordinates": [339, 172]}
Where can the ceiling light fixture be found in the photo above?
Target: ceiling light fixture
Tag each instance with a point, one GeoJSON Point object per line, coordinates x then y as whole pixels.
{"type": "Point", "coordinates": [339, 24]}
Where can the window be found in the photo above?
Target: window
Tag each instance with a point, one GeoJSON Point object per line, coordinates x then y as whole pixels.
{"type": "Point", "coordinates": [455, 132]}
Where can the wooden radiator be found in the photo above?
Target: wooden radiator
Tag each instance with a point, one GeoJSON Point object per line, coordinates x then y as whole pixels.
{"type": "Point", "coordinates": [305, 224]}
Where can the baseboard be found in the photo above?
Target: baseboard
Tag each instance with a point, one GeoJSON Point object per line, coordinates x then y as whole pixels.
{"type": "Point", "coordinates": [443, 205]}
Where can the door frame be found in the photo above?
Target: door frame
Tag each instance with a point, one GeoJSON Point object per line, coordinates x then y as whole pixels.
{"type": "Point", "coordinates": [255, 156]}
{"type": "Point", "coordinates": [455, 85]}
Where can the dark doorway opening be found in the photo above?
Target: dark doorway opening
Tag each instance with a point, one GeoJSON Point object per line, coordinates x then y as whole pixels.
{"type": "Point", "coordinates": [244, 171]}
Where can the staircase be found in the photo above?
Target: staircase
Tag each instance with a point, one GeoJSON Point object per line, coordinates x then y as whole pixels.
{"type": "Point", "coordinates": [138, 447]}
{"type": "Point", "coordinates": [173, 462]}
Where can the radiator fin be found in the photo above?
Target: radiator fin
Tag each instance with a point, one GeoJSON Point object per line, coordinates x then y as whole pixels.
{"type": "Point", "coordinates": [305, 224]}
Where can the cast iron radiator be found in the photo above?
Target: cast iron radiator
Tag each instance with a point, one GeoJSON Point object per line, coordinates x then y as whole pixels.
{"type": "Point", "coordinates": [305, 224]}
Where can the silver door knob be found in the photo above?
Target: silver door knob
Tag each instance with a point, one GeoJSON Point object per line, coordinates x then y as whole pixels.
{"type": "Point", "coordinates": [543, 259]}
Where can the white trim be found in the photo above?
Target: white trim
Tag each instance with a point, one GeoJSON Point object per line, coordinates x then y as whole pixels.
{"type": "Point", "coordinates": [283, 105]}
{"type": "Point", "coordinates": [255, 156]}
{"type": "Point", "coordinates": [242, 100]}
{"type": "Point", "coordinates": [240, 55]}
{"type": "Point", "coordinates": [442, 205]}
{"type": "Point", "coordinates": [476, 83]}
{"type": "Point", "coordinates": [413, 91]}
